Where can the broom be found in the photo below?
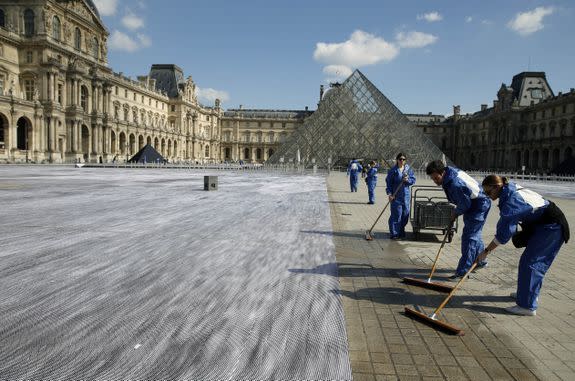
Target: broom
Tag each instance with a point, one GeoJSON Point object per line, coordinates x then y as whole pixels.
{"type": "Point", "coordinates": [431, 320]}
{"type": "Point", "coordinates": [429, 284]}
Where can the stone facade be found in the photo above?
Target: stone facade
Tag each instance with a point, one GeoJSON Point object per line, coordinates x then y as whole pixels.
{"type": "Point", "coordinates": [528, 128]}
{"type": "Point", "coordinates": [60, 102]}
{"type": "Point", "coordinates": [254, 135]}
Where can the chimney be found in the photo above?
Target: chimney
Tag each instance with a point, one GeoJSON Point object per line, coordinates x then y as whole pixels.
{"type": "Point", "coordinates": [495, 104]}
{"type": "Point", "coordinates": [320, 92]}
{"type": "Point", "coordinates": [483, 107]}
{"type": "Point", "coordinates": [456, 111]}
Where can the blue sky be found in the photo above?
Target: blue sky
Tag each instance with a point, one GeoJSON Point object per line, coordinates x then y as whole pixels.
{"type": "Point", "coordinates": [425, 56]}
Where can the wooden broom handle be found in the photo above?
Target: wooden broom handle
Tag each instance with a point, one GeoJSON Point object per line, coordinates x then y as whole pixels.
{"type": "Point", "coordinates": [453, 291]}
{"type": "Point", "coordinates": [440, 247]}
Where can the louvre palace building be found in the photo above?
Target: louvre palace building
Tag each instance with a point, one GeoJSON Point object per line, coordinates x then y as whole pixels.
{"type": "Point", "coordinates": [60, 102]}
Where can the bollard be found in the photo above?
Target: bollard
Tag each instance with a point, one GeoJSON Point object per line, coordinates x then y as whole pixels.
{"type": "Point", "coordinates": [210, 183]}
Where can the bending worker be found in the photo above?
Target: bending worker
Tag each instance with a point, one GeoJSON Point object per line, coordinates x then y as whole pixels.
{"type": "Point", "coordinates": [544, 229]}
{"type": "Point", "coordinates": [399, 178]}
{"type": "Point", "coordinates": [353, 169]}
{"type": "Point", "coordinates": [471, 202]}
{"type": "Point", "coordinates": [371, 181]}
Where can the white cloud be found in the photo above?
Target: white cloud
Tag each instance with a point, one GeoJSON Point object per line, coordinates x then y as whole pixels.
{"type": "Point", "coordinates": [468, 19]}
{"type": "Point", "coordinates": [144, 40]}
{"type": "Point", "coordinates": [132, 22]}
{"type": "Point", "coordinates": [361, 49]}
{"type": "Point", "coordinates": [430, 17]}
{"type": "Point", "coordinates": [337, 73]}
{"type": "Point", "coordinates": [106, 7]}
{"type": "Point", "coordinates": [529, 22]}
{"type": "Point", "coordinates": [123, 42]}
{"type": "Point", "coordinates": [210, 95]}
{"type": "Point", "coordinates": [415, 39]}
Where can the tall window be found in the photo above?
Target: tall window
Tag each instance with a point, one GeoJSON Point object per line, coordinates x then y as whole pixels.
{"type": "Point", "coordinates": [207, 152]}
{"type": "Point", "coordinates": [2, 84]}
{"type": "Point", "coordinates": [29, 56]}
{"type": "Point", "coordinates": [77, 39]}
{"type": "Point", "coordinates": [28, 22]}
{"type": "Point", "coordinates": [2, 19]}
{"type": "Point", "coordinates": [2, 133]}
{"type": "Point", "coordinates": [84, 98]}
{"type": "Point", "coordinates": [95, 47]}
{"type": "Point", "coordinates": [29, 89]}
{"type": "Point", "coordinates": [60, 90]}
{"type": "Point", "coordinates": [56, 28]}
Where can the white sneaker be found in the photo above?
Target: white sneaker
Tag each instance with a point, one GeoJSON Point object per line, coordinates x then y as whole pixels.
{"type": "Point", "coordinates": [513, 296]}
{"type": "Point", "coordinates": [516, 310]}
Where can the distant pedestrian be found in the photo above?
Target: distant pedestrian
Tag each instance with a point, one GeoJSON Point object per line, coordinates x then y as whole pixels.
{"type": "Point", "coordinates": [398, 180]}
{"type": "Point", "coordinates": [353, 170]}
{"type": "Point", "coordinates": [470, 202]}
{"type": "Point", "coordinates": [544, 229]}
{"type": "Point", "coordinates": [371, 181]}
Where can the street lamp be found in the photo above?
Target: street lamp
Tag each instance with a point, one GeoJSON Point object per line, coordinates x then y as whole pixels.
{"type": "Point", "coordinates": [127, 145]}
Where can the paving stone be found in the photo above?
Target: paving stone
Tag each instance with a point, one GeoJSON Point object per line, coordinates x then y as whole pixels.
{"type": "Point", "coordinates": [531, 347]}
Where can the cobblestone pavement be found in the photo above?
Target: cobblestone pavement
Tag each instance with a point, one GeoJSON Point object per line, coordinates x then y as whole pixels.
{"type": "Point", "coordinates": [385, 344]}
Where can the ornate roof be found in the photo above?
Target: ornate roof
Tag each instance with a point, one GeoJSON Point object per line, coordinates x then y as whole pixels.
{"type": "Point", "coordinates": [89, 3]}
{"type": "Point", "coordinates": [92, 6]}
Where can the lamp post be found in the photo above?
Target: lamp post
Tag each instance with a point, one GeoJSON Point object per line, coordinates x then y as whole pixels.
{"type": "Point", "coordinates": [127, 145]}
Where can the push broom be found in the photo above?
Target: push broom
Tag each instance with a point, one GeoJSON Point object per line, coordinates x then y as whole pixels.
{"type": "Point", "coordinates": [428, 283]}
{"type": "Point", "coordinates": [368, 235]}
{"type": "Point", "coordinates": [432, 319]}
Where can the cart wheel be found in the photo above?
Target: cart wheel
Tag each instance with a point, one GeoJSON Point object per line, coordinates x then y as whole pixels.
{"type": "Point", "coordinates": [450, 236]}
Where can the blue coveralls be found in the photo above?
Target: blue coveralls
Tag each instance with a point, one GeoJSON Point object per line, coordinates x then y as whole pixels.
{"type": "Point", "coordinates": [371, 180]}
{"type": "Point", "coordinates": [471, 202]}
{"type": "Point", "coordinates": [400, 205]}
{"type": "Point", "coordinates": [353, 172]}
{"type": "Point", "coordinates": [517, 204]}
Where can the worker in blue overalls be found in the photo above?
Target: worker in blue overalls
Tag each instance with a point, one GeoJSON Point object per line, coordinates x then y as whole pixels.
{"type": "Point", "coordinates": [353, 170]}
{"type": "Point", "coordinates": [544, 230]}
{"type": "Point", "coordinates": [398, 180]}
{"type": "Point", "coordinates": [471, 202]}
{"type": "Point", "coordinates": [371, 181]}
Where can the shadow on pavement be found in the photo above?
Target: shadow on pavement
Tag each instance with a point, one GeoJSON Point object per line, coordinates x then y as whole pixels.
{"type": "Point", "coordinates": [401, 297]}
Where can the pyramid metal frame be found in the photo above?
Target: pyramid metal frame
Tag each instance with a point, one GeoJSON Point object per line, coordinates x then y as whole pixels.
{"type": "Point", "coordinates": [355, 120]}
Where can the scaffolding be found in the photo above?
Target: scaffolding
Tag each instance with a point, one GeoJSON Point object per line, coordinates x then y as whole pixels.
{"type": "Point", "coordinates": [355, 120]}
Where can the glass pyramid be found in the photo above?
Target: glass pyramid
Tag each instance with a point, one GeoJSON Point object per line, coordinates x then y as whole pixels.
{"type": "Point", "coordinates": [355, 120]}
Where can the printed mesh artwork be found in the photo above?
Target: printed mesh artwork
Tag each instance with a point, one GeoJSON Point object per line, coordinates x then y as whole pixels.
{"type": "Point", "coordinates": [355, 120]}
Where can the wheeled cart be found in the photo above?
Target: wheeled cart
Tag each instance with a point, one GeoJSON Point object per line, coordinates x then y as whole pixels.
{"type": "Point", "coordinates": [430, 211]}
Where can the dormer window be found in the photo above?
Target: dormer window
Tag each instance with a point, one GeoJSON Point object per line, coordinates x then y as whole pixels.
{"type": "Point", "coordinates": [95, 48]}
{"type": "Point", "coordinates": [28, 22]}
{"type": "Point", "coordinates": [56, 28]}
{"type": "Point", "coordinates": [77, 39]}
{"type": "Point", "coordinates": [536, 94]}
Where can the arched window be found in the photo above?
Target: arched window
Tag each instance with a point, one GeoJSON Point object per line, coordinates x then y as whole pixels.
{"type": "Point", "coordinates": [2, 19]}
{"type": "Point", "coordinates": [56, 28]}
{"type": "Point", "coordinates": [95, 48]}
{"type": "Point", "coordinates": [207, 153]}
{"type": "Point", "coordinates": [28, 22]}
{"type": "Point", "coordinates": [84, 98]}
{"type": "Point", "coordinates": [77, 39]}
